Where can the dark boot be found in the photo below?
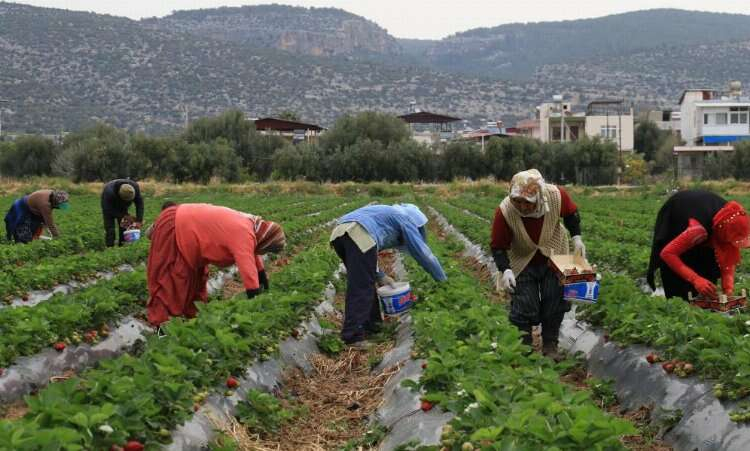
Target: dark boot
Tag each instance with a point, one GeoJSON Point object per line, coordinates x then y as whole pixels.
{"type": "Point", "coordinates": [549, 349]}
{"type": "Point", "coordinates": [526, 337]}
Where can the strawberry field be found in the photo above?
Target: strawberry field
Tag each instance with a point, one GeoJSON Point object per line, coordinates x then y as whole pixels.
{"type": "Point", "coordinates": [80, 369]}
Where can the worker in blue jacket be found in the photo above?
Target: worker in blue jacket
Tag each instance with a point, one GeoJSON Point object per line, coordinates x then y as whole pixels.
{"type": "Point", "coordinates": [357, 239]}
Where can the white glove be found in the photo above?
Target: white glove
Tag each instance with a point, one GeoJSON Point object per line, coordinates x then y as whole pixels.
{"type": "Point", "coordinates": [388, 280]}
{"type": "Point", "coordinates": [508, 281]}
{"type": "Point", "coordinates": [578, 247]}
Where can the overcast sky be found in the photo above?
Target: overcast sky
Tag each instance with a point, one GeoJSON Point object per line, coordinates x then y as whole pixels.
{"type": "Point", "coordinates": [426, 19]}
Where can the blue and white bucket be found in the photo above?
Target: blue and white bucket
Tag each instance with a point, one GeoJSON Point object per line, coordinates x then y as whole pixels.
{"type": "Point", "coordinates": [396, 300]}
{"type": "Point", "coordinates": [586, 292]}
{"type": "Point", "coordinates": [132, 235]}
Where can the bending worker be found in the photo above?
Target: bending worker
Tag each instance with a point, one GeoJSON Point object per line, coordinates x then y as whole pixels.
{"type": "Point", "coordinates": [357, 239]}
{"type": "Point", "coordinates": [525, 232]}
{"type": "Point", "coordinates": [697, 239]}
{"type": "Point", "coordinates": [187, 238]}
{"type": "Point", "coordinates": [28, 215]}
{"type": "Point", "coordinates": [117, 196]}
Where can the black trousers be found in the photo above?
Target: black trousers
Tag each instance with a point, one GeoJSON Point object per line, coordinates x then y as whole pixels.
{"type": "Point", "coordinates": [110, 222]}
{"type": "Point", "coordinates": [538, 299]}
{"type": "Point", "coordinates": [362, 307]}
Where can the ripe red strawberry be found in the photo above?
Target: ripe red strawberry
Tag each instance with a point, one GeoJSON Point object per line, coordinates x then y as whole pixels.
{"type": "Point", "coordinates": [133, 445]}
{"type": "Point", "coordinates": [232, 382]}
{"type": "Point", "coordinates": [651, 358]}
{"type": "Point", "coordinates": [424, 366]}
{"type": "Point", "coordinates": [426, 406]}
{"type": "Point", "coordinates": [59, 346]}
{"type": "Point", "coordinates": [668, 367]}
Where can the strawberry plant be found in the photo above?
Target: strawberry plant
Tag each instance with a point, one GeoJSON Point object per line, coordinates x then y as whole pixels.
{"type": "Point", "coordinates": [477, 368]}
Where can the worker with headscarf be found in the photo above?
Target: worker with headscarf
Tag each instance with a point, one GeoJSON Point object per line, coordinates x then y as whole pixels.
{"type": "Point", "coordinates": [357, 239]}
{"type": "Point", "coordinates": [697, 240]}
{"type": "Point", "coordinates": [525, 233]}
{"type": "Point", "coordinates": [186, 238]}
{"type": "Point", "coordinates": [27, 217]}
{"type": "Point", "coordinates": [117, 196]}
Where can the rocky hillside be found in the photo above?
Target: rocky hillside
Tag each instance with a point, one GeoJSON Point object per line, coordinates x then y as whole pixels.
{"type": "Point", "coordinates": [518, 50]}
{"type": "Point", "coordinates": [62, 70]}
{"type": "Point", "coordinates": [306, 31]}
{"type": "Point", "coordinates": [656, 76]}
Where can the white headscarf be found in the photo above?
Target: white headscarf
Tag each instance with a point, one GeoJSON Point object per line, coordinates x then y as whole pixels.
{"type": "Point", "coordinates": [529, 185]}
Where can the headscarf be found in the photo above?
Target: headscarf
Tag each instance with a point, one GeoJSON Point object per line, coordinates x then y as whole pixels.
{"type": "Point", "coordinates": [269, 236]}
{"type": "Point", "coordinates": [58, 198]}
{"type": "Point", "coordinates": [731, 229]}
{"type": "Point", "coordinates": [413, 213]}
{"type": "Point", "coordinates": [529, 185]}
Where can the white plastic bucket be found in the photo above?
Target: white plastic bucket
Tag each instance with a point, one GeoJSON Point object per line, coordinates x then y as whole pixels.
{"type": "Point", "coordinates": [396, 300]}
{"type": "Point", "coordinates": [132, 235]}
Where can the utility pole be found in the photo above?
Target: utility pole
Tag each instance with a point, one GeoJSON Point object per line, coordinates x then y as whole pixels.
{"type": "Point", "coordinates": [1, 117]}
{"type": "Point", "coordinates": [559, 99]}
{"type": "Point", "coordinates": [186, 114]}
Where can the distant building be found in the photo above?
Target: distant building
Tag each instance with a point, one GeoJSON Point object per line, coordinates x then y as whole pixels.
{"type": "Point", "coordinates": [711, 123]}
{"type": "Point", "coordinates": [293, 130]}
{"type": "Point", "coordinates": [609, 119]}
{"type": "Point", "coordinates": [667, 119]}
{"type": "Point", "coordinates": [710, 117]}
{"type": "Point", "coordinates": [690, 160]}
{"type": "Point", "coordinates": [529, 128]}
{"type": "Point", "coordinates": [430, 128]}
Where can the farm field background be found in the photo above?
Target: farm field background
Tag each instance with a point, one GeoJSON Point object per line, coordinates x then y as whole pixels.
{"type": "Point", "coordinates": [475, 367]}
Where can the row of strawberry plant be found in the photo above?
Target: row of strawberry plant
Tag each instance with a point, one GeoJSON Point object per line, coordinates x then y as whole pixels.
{"type": "Point", "coordinates": [81, 231]}
{"type": "Point", "coordinates": [65, 317]}
{"type": "Point", "coordinates": [503, 396]}
{"type": "Point", "coordinates": [18, 280]}
{"type": "Point", "coordinates": [26, 331]}
{"type": "Point", "coordinates": [715, 346]}
{"type": "Point", "coordinates": [475, 229]}
{"type": "Point", "coordinates": [142, 398]}
{"type": "Point", "coordinates": [82, 226]}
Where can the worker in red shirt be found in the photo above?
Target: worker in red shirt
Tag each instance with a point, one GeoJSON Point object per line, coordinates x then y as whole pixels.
{"type": "Point", "coordinates": [186, 238]}
{"type": "Point", "coordinates": [525, 232]}
{"type": "Point", "coordinates": [697, 240]}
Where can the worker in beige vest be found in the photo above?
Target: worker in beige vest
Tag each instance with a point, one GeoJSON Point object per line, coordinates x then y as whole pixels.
{"type": "Point", "coordinates": [525, 232]}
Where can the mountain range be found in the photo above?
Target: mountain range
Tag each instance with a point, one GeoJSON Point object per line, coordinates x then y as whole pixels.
{"type": "Point", "coordinates": [62, 70]}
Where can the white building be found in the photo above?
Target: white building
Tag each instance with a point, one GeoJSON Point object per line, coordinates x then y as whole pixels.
{"type": "Point", "coordinates": [610, 120]}
{"type": "Point", "coordinates": [711, 123]}
{"type": "Point", "coordinates": [712, 118]}
{"type": "Point", "coordinates": [667, 120]}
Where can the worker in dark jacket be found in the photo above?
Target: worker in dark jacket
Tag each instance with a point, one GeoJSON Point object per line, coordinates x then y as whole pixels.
{"type": "Point", "coordinates": [29, 215]}
{"type": "Point", "coordinates": [697, 240]}
{"type": "Point", "coordinates": [116, 199]}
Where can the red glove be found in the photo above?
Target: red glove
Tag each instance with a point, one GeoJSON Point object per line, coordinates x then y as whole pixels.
{"type": "Point", "coordinates": [705, 287]}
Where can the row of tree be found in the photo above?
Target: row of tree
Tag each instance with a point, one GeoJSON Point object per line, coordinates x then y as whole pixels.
{"type": "Point", "coordinates": [361, 147]}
